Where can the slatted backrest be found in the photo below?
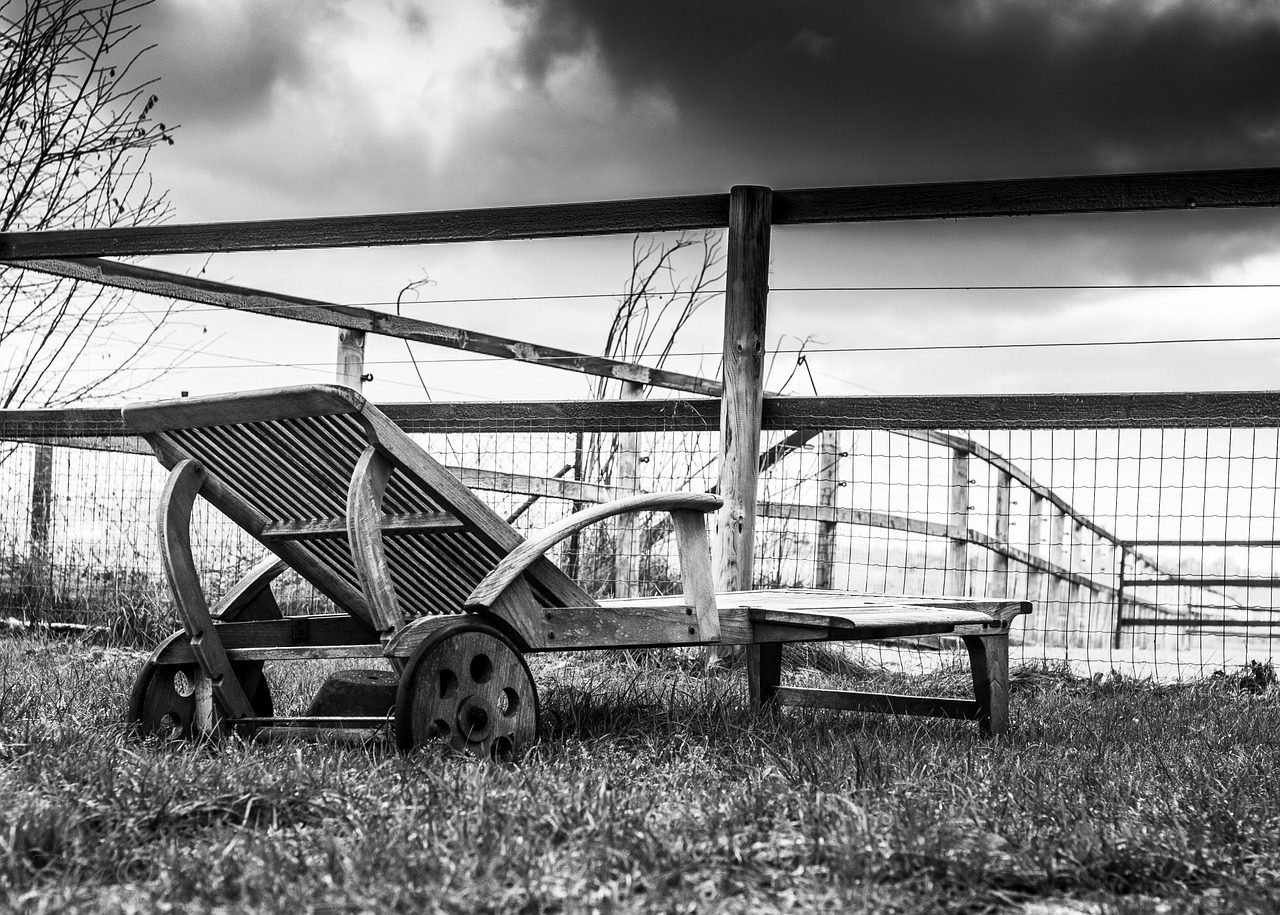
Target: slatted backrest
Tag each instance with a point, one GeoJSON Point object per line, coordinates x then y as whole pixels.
{"type": "Point", "coordinates": [280, 463]}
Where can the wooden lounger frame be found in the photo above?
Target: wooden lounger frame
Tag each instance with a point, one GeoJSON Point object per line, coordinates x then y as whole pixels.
{"type": "Point", "coordinates": [338, 492]}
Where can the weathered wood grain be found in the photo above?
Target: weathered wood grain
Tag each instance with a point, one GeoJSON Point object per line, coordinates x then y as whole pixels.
{"type": "Point", "coordinates": [745, 314]}
{"type": "Point", "coordinates": [392, 525]}
{"type": "Point", "coordinates": [989, 664]}
{"type": "Point", "coordinates": [1031, 196]}
{"type": "Point", "coordinates": [290, 637]}
{"type": "Point", "coordinates": [610, 217]}
{"type": "Point", "coordinates": [364, 528]}
{"type": "Point", "coordinates": [947, 200]}
{"type": "Point", "coordinates": [746, 306]}
{"type": "Point", "coordinates": [174, 515]}
{"type": "Point", "coordinates": [696, 575]}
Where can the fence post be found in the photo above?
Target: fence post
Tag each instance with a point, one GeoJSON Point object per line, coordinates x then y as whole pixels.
{"type": "Point", "coordinates": [998, 584]}
{"type": "Point", "coordinates": [350, 367]}
{"type": "Point", "coordinates": [1121, 558]}
{"type": "Point", "coordinates": [745, 310]}
{"type": "Point", "coordinates": [1055, 622]}
{"type": "Point", "coordinates": [1035, 546]}
{"type": "Point", "coordinates": [626, 543]}
{"type": "Point", "coordinates": [1103, 576]}
{"type": "Point", "coordinates": [1082, 597]}
{"type": "Point", "coordinates": [828, 484]}
{"type": "Point", "coordinates": [39, 583]}
{"type": "Point", "coordinates": [957, 575]}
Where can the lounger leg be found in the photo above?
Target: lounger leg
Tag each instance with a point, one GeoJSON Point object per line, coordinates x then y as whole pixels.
{"type": "Point", "coordinates": [989, 659]}
{"type": "Point", "coordinates": [175, 550]}
{"type": "Point", "coordinates": [764, 672]}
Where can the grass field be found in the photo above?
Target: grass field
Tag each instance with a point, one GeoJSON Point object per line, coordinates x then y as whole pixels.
{"type": "Point", "coordinates": [651, 790]}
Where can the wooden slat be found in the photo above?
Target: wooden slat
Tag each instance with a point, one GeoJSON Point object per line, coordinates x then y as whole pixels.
{"type": "Point", "coordinates": [879, 619]}
{"type": "Point", "coordinates": [254, 406]}
{"type": "Point", "coordinates": [487, 526]}
{"type": "Point", "coordinates": [332, 528]}
{"type": "Point", "coordinates": [849, 701]}
{"type": "Point", "coordinates": [285, 491]}
{"type": "Point", "coordinates": [332, 584]}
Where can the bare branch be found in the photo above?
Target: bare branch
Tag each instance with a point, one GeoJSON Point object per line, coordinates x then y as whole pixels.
{"type": "Point", "coordinates": [76, 129]}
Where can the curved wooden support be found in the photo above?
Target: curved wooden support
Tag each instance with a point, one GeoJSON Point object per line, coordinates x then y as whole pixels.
{"type": "Point", "coordinates": [176, 501]}
{"type": "Point", "coordinates": [687, 511]}
{"type": "Point", "coordinates": [250, 598]}
{"type": "Point", "coordinates": [364, 528]}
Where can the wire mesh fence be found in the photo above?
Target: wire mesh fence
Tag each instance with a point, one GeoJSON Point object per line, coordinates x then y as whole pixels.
{"type": "Point", "coordinates": [1146, 550]}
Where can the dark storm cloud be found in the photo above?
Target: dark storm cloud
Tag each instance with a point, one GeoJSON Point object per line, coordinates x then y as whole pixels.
{"type": "Point", "coordinates": [809, 92]}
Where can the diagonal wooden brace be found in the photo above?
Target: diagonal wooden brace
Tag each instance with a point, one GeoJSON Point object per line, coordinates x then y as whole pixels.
{"type": "Point", "coordinates": [176, 501]}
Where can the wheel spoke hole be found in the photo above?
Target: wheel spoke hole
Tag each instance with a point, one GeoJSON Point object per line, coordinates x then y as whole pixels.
{"type": "Point", "coordinates": [481, 669]}
{"type": "Point", "coordinates": [438, 729]}
{"type": "Point", "coordinates": [503, 747]}
{"type": "Point", "coordinates": [182, 684]}
{"type": "Point", "coordinates": [508, 702]}
{"type": "Point", "coordinates": [448, 684]}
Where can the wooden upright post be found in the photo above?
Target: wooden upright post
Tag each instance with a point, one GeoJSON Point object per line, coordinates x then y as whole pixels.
{"type": "Point", "coordinates": [350, 368]}
{"type": "Point", "coordinates": [957, 575]}
{"type": "Point", "coordinates": [38, 587]}
{"type": "Point", "coordinates": [745, 309]}
{"type": "Point", "coordinates": [626, 541]}
{"type": "Point", "coordinates": [41, 504]}
{"type": "Point", "coordinates": [1035, 545]}
{"type": "Point", "coordinates": [828, 483]}
{"type": "Point", "coordinates": [1059, 585]}
{"type": "Point", "coordinates": [998, 583]}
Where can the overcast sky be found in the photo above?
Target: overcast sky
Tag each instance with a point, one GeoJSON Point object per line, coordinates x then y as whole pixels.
{"type": "Point", "coordinates": [320, 108]}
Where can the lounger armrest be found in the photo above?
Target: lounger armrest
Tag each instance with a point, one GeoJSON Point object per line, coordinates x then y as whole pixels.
{"type": "Point", "coordinates": [519, 559]}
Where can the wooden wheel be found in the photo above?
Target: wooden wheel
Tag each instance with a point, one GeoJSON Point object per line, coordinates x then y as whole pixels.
{"type": "Point", "coordinates": [470, 688]}
{"type": "Point", "coordinates": [163, 701]}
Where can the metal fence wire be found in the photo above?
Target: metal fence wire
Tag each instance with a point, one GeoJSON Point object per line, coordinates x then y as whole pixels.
{"type": "Point", "coordinates": [1151, 551]}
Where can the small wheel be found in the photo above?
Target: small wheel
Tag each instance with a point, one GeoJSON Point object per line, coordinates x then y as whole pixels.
{"type": "Point", "coordinates": [470, 688]}
{"type": "Point", "coordinates": [163, 700]}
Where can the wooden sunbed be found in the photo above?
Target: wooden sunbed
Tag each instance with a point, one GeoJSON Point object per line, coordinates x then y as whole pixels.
{"type": "Point", "coordinates": [431, 579]}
